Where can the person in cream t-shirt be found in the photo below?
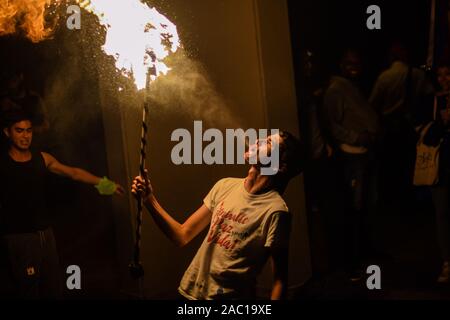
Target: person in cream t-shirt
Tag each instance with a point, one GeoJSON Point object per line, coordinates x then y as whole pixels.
{"type": "Point", "coordinates": [249, 223]}
{"type": "Point", "coordinates": [243, 228]}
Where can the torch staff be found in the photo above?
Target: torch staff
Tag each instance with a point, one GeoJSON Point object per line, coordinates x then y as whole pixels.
{"type": "Point", "coordinates": [136, 268]}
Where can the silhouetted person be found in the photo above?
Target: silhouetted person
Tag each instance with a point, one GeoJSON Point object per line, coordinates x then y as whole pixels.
{"type": "Point", "coordinates": [354, 128]}
{"type": "Point", "coordinates": [439, 133]}
{"type": "Point", "coordinates": [399, 95]}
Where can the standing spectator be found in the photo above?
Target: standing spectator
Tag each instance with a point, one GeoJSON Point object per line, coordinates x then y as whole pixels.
{"type": "Point", "coordinates": [440, 133]}
{"type": "Point", "coordinates": [353, 128]}
{"type": "Point", "coordinates": [398, 94]}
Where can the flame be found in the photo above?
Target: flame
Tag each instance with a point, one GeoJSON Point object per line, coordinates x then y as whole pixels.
{"type": "Point", "coordinates": [138, 37]}
{"type": "Point", "coordinates": [25, 15]}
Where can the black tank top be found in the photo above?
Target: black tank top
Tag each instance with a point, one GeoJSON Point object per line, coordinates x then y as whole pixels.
{"type": "Point", "coordinates": [23, 206]}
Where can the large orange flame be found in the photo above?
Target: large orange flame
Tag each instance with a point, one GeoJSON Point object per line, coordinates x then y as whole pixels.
{"type": "Point", "coordinates": [138, 37]}
{"type": "Point", "coordinates": [27, 16]}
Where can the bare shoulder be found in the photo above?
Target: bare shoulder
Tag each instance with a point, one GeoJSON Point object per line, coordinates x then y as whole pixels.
{"type": "Point", "coordinates": [48, 158]}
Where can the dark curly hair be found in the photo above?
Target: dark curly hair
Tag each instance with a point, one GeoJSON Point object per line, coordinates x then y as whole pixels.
{"type": "Point", "coordinates": [292, 155]}
{"type": "Point", "coordinates": [13, 110]}
{"type": "Point", "coordinates": [292, 159]}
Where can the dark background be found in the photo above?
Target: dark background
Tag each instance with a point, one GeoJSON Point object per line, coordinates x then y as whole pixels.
{"type": "Point", "coordinates": [328, 27]}
{"type": "Point", "coordinates": [404, 236]}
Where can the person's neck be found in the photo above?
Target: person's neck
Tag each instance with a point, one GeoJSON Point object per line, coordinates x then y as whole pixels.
{"type": "Point", "coordinates": [255, 183]}
{"type": "Point", "coordinates": [19, 155]}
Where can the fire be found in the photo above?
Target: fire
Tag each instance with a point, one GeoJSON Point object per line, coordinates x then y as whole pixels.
{"type": "Point", "coordinates": [27, 16]}
{"type": "Point", "coordinates": [138, 37]}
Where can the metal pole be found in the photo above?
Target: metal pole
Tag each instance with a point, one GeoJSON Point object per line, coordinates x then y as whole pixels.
{"type": "Point", "coordinates": [431, 40]}
{"type": "Point", "coordinates": [136, 268]}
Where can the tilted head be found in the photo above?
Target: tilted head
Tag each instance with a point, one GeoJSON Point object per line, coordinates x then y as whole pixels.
{"type": "Point", "coordinates": [284, 154]}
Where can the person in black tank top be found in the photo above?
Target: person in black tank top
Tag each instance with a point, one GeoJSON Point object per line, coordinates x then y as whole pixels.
{"type": "Point", "coordinates": [27, 243]}
{"type": "Point", "coordinates": [19, 179]}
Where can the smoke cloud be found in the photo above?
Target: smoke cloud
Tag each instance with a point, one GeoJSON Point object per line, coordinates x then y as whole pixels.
{"type": "Point", "coordinates": [187, 88]}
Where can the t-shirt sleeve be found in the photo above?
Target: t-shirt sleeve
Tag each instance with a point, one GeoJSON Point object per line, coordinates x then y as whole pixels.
{"type": "Point", "coordinates": [211, 198]}
{"type": "Point", "coordinates": [279, 230]}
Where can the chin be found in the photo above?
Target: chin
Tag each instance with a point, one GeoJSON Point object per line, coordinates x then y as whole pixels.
{"type": "Point", "coordinates": [246, 158]}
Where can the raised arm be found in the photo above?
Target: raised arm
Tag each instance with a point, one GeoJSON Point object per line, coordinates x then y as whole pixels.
{"type": "Point", "coordinates": [180, 234]}
{"type": "Point", "coordinates": [73, 173]}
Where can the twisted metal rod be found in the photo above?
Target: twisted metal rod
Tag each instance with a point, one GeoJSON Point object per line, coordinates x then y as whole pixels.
{"type": "Point", "coordinates": [136, 268]}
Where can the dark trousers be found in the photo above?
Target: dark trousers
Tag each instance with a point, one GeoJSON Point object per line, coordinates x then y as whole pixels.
{"type": "Point", "coordinates": [397, 157]}
{"type": "Point", "coordinates": [324, 215]}
{"type": "Point", "coordinates": [30, 266]}
{"type": "Point", "coordinates": [441, 199]}
{"type": "Point", "coordinates": [354, 182]}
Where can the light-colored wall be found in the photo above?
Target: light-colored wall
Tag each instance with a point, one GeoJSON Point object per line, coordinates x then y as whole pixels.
{"type": "Point", "coordinates": [244, 46]}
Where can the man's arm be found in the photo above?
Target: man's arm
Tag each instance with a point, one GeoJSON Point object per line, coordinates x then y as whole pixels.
{"type": "Point", "coordinates": [279, 262]}
{"type": "Point", "coordinates": [277, 242]}
{"type": "Point", "coordinates": [73, 173]}
{"type": "Point", "coordinates": [180, 234]}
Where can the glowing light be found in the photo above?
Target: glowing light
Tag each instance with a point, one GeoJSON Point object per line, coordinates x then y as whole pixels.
{"type": "Point", "coordinates": [138, 37]}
